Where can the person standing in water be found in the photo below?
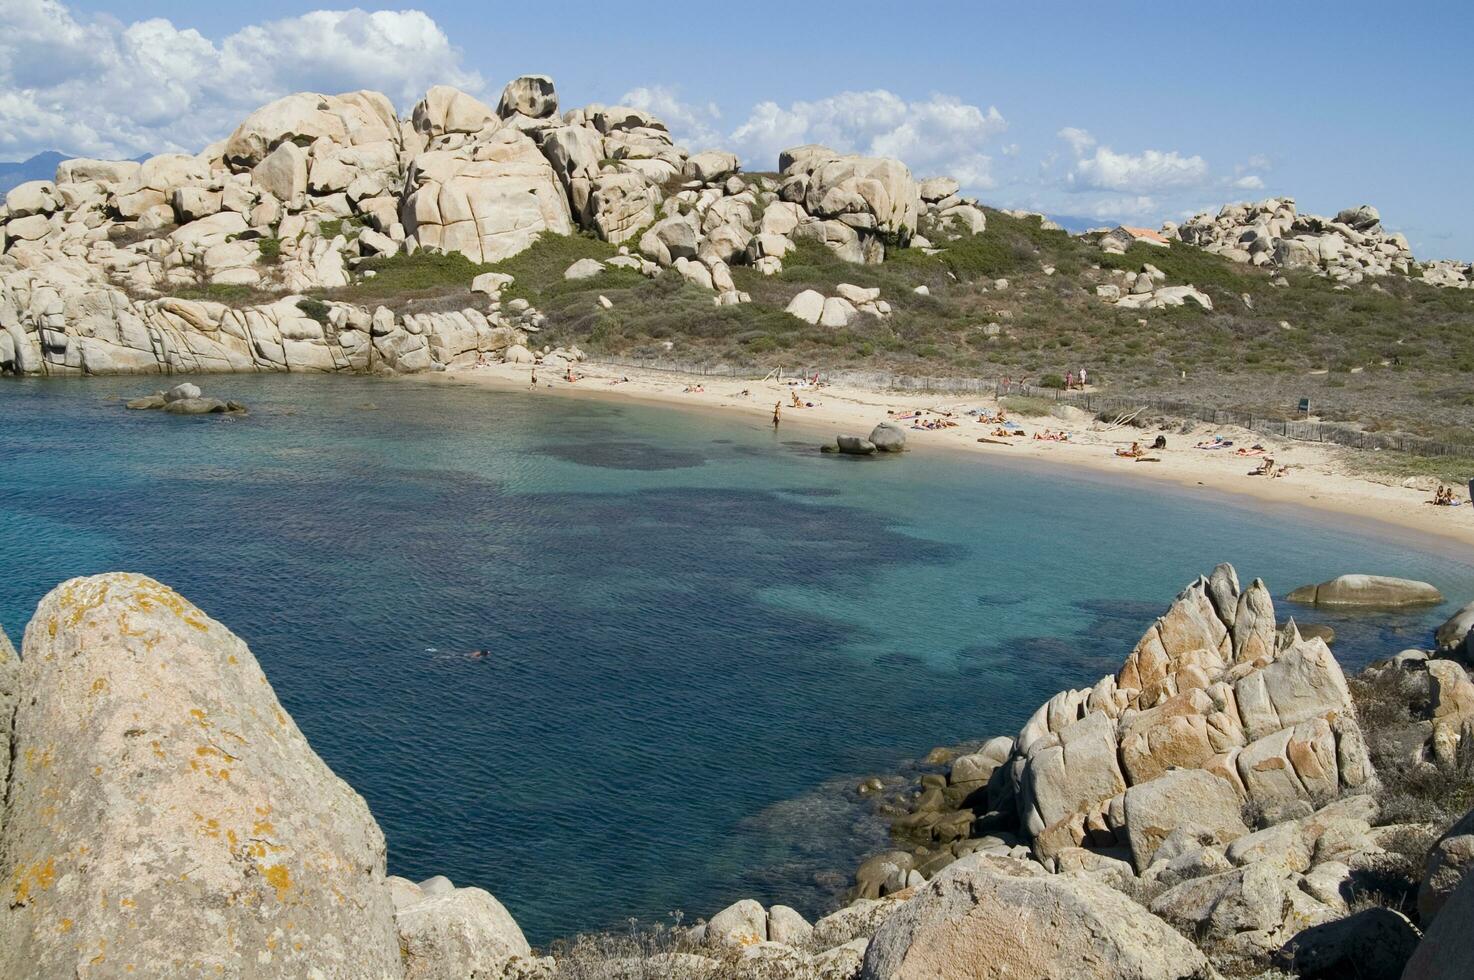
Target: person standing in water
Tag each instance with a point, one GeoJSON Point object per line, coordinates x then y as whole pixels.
{"type": "Point", "coordinates": [777, 412]}
{"type": "Point", "coordinates": [533, 383]}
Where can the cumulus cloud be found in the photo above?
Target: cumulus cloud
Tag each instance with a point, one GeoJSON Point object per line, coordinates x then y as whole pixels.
{"type": "Point", "coordinates": [1099, 168]}
{"type": "Point", "coordinates": [1139, 173]}
{"type": "Point", "coordinates": [104, 88]}
{"type": "Point", "coordinates": [941, 134]}
{"type": "Point", "coordinates": [692, 125]}
{"type": "Point", "coordinates": [1123, 208]}
{"type": "Point", "coordinates": [1249, 182]}
{"type": "Point", "coordinates": [1080, 141]}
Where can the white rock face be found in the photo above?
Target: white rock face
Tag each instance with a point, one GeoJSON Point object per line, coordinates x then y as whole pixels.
{"type": "Point", "coordinates": [188, 792]}
{"type": "Point", "coordinates": [808, 306]}
{"type": "Point", "coordinates": [487, 200]}
{"type": "Point", "coordinates": [352, 119]}
{"type": "Point", "coordinates": [445, 109]}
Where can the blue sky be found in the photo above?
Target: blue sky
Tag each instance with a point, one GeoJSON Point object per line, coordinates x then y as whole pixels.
{"type": "Point", "coordinates": [1137, 111]}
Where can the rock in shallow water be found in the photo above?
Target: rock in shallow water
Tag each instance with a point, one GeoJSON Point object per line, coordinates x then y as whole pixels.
{"type": "Point", "coordinates": [1369, 592]}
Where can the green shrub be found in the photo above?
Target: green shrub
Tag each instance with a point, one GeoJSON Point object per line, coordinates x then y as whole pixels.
{"type": "Point", "coordinates": [422, 271]}
{"type": "Point", "coordinates": [1051, 381]}
{"type": "Point", "coordinates": [315, 308]}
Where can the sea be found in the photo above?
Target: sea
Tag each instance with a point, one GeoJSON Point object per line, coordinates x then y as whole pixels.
{"type": "Point", "coordinates": [615, 661]}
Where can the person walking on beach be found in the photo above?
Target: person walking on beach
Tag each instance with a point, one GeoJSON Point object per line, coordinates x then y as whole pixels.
{"type": "Point", "coordinates": [1069, 380]}
{"type": "Point", "coordinates": [1082, 379]}
{"type": "Point", "coordinates": [777, 412]}
{"type": "Point", "coordinates": [533, 383]}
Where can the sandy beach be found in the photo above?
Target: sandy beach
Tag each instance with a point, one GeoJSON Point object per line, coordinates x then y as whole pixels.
{"type": "Point", "coordinates": [1318, 477]}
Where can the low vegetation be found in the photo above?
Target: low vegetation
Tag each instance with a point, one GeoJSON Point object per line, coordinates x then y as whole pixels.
{"type": "Point", "coordinates": [1388, 354]}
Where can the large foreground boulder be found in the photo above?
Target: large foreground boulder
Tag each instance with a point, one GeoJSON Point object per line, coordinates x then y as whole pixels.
{"type": "Point", "coordinates": [445, 931]}
{"type": "Point", "coordinates": [979, 919]}
{"type": "Point", "coordinates": [166, 817]}
{"type": "Point", "coordinates": [9, 694]}
{"type": "Point", "coordinates": [1368, 591]}
{"type": "Point", "coordinates": [1447, 949]}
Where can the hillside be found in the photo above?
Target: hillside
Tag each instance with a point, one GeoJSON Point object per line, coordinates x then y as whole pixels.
{"type": "Point", "coordinates": [328, 234]}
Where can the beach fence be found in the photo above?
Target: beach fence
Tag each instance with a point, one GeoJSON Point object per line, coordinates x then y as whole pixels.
{"type": "Point", "coordinates": [1298, 430]}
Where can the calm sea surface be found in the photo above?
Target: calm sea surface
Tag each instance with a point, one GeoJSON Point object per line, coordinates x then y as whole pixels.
{"type": "Point", "coordinates": [697, 629]}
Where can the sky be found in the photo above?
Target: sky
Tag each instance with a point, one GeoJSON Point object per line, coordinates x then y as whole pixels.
{"type": "Point", "coordinates": [1130, 111]}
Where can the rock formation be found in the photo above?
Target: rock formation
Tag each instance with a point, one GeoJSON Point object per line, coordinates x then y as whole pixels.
{"type": "Point", "coordinates": [309, 187]}
{"type": "Point", "coordinates": [1346, 248]}
{"type": "Point", "coordinates": [163, 816]}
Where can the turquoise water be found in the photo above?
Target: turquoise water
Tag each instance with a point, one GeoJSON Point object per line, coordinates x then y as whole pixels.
{"type": "Point", "coordinates": [692, 622]}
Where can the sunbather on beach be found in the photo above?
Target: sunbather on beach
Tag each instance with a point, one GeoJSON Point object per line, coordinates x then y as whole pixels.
{"type": "Point", "coordinates": [1135, 452]}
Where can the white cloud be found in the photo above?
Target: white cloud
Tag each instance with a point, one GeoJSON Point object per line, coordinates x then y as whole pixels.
{"type": "Point", "coordinates": [941, 134]}
{"type": "Point", "coordinates": [1080, 141]}
{"type": "Point", "coordinates": [1150, 171]}
{"type": "Point", "coordinates": [100, 87]}
{"type": "Point", "coordinates": [691, 125]}
{"type": "Point", "coordinates": [1127, 207]}
{"type": "Point", "coordinates": [1249, 182]}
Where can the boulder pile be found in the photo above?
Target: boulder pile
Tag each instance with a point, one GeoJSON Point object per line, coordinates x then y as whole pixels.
{"type": "Point", "coordinates": [311, 185]}
{"type": "Point", "coordinates": [1346, 248]}
{"type": "Point", "coordinates": [185, 399]}
{"type": "Point", "coordinates": [1147, 290]}
{"type": "Point", "coordinates": [812, 306]}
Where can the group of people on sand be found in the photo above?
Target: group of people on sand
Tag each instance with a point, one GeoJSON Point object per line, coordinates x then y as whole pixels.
{"type": "Point", "coordinates": [696, 389]}
{"type": "Point", "coordinates": [1048, 436]}
{"type": "Point", "coordinates": [1268, 467]}
{"type": "Point", "coordinates": [1075, 382]}
{"type": "Point", "coordinates": [1444, 497]}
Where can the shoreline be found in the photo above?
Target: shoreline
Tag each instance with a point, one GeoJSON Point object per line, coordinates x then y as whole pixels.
{"type": "Point", "coordinates": [1381, 510]}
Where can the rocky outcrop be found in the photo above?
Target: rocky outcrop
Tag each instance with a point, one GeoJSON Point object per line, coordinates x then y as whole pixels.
{"type": "Point", "coordinates": [1221, 771]}
{"type": "Point", "coordinates": [1272, 233]}
{"type": "Point", "coordinates": [840, 310]}
{"type": "Point", "coordinates": [312, 185]}
{"type": "Point", "coordinates": [486, 195]}
{"type": "Point", "coordinates": [1369, 592]}
{"type": "Point", "coordinates": [1147, 290]}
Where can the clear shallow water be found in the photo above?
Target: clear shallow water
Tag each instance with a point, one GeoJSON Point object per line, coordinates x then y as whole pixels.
{"type": "Point", "coordinates": [693, 622]}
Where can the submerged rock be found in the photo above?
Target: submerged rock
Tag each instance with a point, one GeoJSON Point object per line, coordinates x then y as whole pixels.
{"type": "Point", "coordinates": [855, 446]}
{"type": "Point", "coordinates": [201, 834]}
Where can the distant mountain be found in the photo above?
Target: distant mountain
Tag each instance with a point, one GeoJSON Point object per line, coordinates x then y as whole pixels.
{"type": "Point", "coordinates": [1075, 223]}
{"type": "Point", "coordinates": [42, 166]}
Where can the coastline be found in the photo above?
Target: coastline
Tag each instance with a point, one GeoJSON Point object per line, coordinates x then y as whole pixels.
{"type": "Point", "coordinates": [1319, 484]}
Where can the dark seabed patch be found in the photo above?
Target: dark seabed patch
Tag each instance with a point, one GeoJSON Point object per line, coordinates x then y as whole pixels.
{"type": "Point", "coordinates": [622, 455]}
